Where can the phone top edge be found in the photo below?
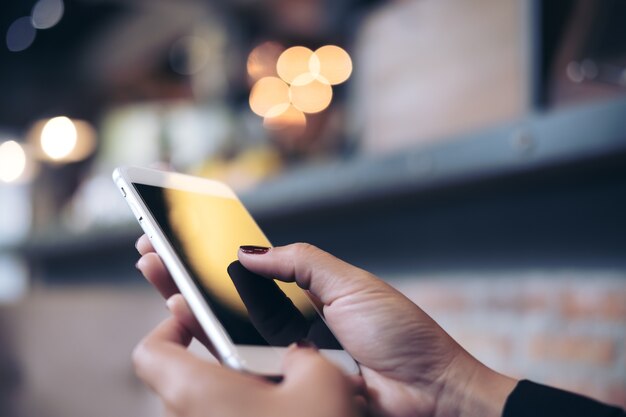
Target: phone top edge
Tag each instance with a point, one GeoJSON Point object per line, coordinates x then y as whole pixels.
{"type": "Point", "coordinates": [174, 180]}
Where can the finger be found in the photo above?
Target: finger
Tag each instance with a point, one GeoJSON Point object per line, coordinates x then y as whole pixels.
{"type": "Point", "coordinates": [273, 314]}
{"type": "Point", "coordinates": [179, 308]}
{"type": "Point", "coordinates": [144, 245]}
{"type": "Point", "coordinates": [361, 395]}
{"type": "Point", "coordinates": [178, 376]}
{"type": "Point", "coordinates": [162, 353]}
{"type": "Point", "coordinates": [358, 384]}
{"type": "Point", "coordinates": [327, 277]}
{"type": "Point", "coordinates": [307, 374]}
{"type": "Point", "coordinates": [152, 267]}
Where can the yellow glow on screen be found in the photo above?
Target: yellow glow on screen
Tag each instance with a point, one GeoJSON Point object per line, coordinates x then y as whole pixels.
{"type": "Point", "coordinates": [211, 229]}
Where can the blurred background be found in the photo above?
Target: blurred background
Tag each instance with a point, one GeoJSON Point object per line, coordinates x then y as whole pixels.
{"type": "Point", "coordinates": [473, 154]}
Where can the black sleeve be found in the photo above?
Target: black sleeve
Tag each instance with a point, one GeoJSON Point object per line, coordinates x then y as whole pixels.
{"type": "Point", "coordinates": [534, 400]}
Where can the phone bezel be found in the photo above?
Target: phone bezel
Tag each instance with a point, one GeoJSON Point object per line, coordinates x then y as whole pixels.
{"type": "Point", "coordinates": [261, 360]}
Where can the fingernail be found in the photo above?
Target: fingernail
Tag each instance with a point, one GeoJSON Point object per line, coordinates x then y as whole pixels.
{"type": "Point", "coordinates": [254, 250]}
{"type": "Point", "coordinates": [169, 303]}
{"type": "Point", "coordinates": [137, 243]}
{"type": "Point", "coordinates": [306, 344]}
{"type": "Point", "coordinates": [137, 265]}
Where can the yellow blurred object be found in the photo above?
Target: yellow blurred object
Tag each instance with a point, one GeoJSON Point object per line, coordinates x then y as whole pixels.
{"type": "Point", "coordinates": [245, 170]}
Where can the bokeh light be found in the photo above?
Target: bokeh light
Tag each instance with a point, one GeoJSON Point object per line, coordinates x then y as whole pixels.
{"type": "Point", "coordinates": [85, 141]}
{"type": "Point", "coordinates": [47, 13]}
{"type": "Point", "coordinates": [311, 97]}
{"type": "Point", "coordinates": [12, 161]}
{"type": "Point", "coordinates": [84, 145]}
{"type": "Point", "coordinates": [334, 64]}
{"type": "Point", "coordinates": [293, 63]}
{"type": "Point", "coordinates": [262, 60]}
{"type": "Point", "coordinates": [308, 77]}
{"type": "Point", "coordinates": [290, 118]}
{"type": "Point", "coordinates": [58, 137]}
{"type": "Point", "coordinates": [21, 34]}
{"type": "Point", "coordinates": [267, 93]}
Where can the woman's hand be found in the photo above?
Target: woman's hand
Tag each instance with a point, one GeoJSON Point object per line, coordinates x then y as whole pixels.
{"type": "Point", "coordinates": [190, 386]}
{"type": "Point", "coordinates": [410, 365]}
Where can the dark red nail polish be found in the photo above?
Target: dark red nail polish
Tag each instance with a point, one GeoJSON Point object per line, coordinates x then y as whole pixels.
{"type": "Point", "coordinates": [306, 343]}
{"type": "Point", "coordinates": [254, 250]}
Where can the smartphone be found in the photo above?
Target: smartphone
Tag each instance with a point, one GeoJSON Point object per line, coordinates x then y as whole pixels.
{"type": "Point", "coordinates": [196, 226]}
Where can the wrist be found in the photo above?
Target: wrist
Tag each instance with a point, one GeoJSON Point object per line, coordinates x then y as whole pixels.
{"type": "Point", "coordinates": [486, 393]}
{"type": "Point", "coordinates": [471, 389]}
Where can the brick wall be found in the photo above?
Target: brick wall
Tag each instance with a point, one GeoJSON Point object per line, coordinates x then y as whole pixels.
{"type": "Point", "coordinates": [564, 328]}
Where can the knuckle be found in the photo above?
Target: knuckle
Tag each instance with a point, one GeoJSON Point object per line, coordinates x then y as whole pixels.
{"type": "Point", "coordinates": [311, 361]}
{"type": "Point", "coordinates": [303, 249]}
{"type": "Point", "coordinates": [299, 262]}
{"type": "Point", "coordinates": [184, 396]}
{"type": "Point", "coordinates": [139, 356]}
{"type": "Point", "coordinates": [152, 258]}
{"type": "Point", "coordinates": [177, 397]}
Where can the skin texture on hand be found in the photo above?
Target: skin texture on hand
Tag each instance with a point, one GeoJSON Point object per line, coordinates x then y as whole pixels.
{"type": "Point", "coordinates": [410, 366]}
{"type": "Point", "coordinates": [190, 386]}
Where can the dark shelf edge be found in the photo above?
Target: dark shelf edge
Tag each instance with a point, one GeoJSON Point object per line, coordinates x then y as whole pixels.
{"type": "Point", "coordinates": [514, 149]}
{"type": "Point", "coordinates": [540, 140]}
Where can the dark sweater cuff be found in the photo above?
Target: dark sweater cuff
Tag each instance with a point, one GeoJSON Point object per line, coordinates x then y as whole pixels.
{"type": "Point", "coordinates": [534, 400]}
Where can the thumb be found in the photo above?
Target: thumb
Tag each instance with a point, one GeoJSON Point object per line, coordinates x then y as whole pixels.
{"type": "Point", "coordinates": [309, 377]}
{"type": "Point", "coordinates": [328, 278]}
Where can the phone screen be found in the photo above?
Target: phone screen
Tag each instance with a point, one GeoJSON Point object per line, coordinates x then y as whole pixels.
{"type": "Point", "coordinates": [206, 231]}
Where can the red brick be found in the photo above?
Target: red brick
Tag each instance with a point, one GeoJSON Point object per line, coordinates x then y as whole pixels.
{"type": "Point", "coordinates": [596, 351]}
{"type": "Point", "coordinates": [434, 298]}
{"type": "Point", "coordinates": [480, 344]}
{"type": "Point", "coordinates": [604, 305]}
{"type": "Point", "coordinates": [522, 303]}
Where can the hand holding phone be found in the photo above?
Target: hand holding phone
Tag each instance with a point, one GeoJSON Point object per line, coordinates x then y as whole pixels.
{"type": "Point", "coordinates": [197, 227]}
{"type": "Point", "coordinates": [410, 364]}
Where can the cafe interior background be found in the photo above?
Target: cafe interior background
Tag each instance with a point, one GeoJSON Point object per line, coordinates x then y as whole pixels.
{"type": "Point", "coordinates": [472, 154]}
